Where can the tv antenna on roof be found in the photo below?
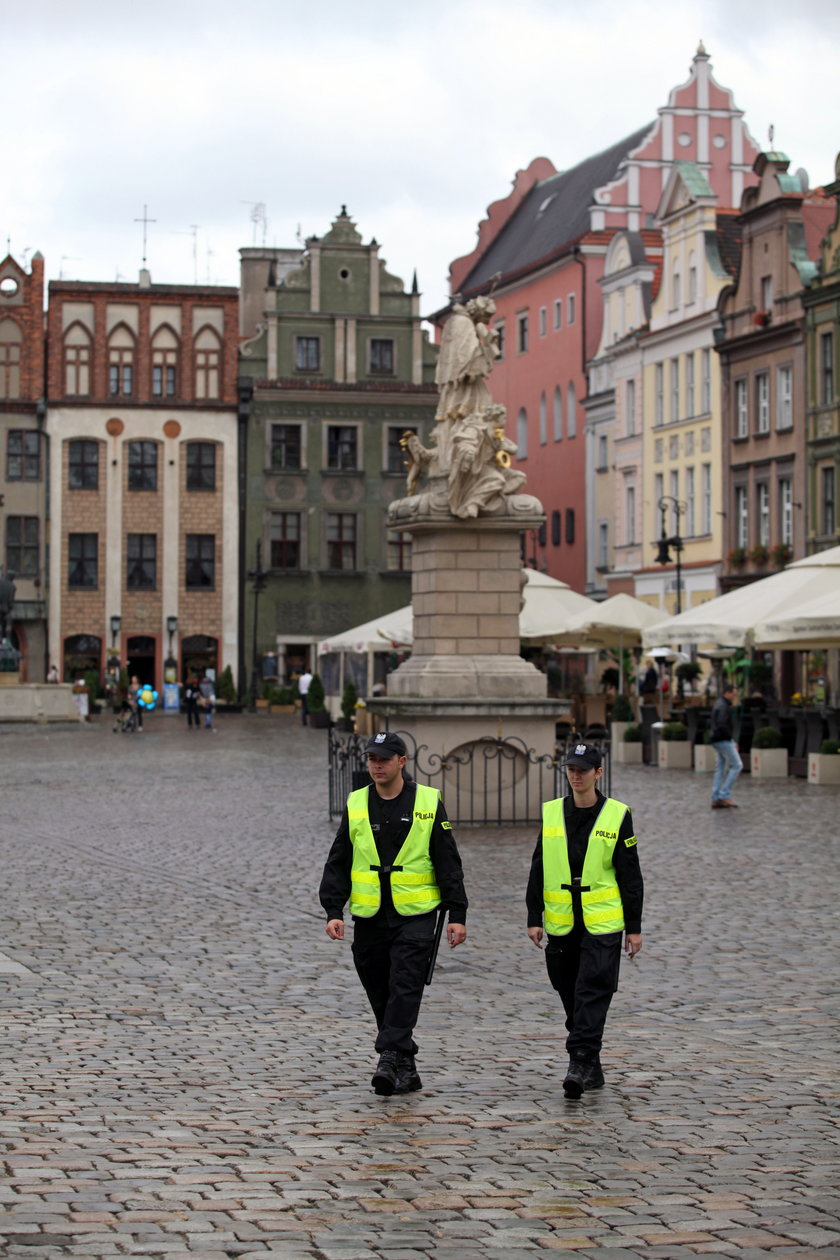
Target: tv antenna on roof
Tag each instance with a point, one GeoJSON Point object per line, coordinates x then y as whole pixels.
{"type": "Point", "coordinates": [145, 221]}
{"type": "Point", "coordinates": [259, 218]}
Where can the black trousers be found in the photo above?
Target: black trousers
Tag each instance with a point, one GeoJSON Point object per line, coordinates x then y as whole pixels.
{"type": "Point", "coordinates": [391, 960]}
{"type": "Point", "coordinates": [584, 970]}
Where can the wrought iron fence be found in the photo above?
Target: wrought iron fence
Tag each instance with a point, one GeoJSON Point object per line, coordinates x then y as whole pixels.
{"type": "Point", "coordinates": [490, 781]}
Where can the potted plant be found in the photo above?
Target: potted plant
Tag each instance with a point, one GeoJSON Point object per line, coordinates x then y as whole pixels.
{"type": "Point", "coordinates": [768, 755]}
{"type": "Point", "coordinates": [759, 556]}
{"type": "Point", "coordinates": [824, 766]}
{"type": "Point", "coordinates": [674, 748]}
{"type": "Point", "coordinates": [628, 750]}
{"type": "Point", "coordinates": [781, 554]}
{"type": "Point", "coordinates": [226, 693]}
{"type": "Point", "coordinates": [689, 672]}
{"type": "Point", "coordinates": [281, 700]}
{"type": "Point", "coordinates": [737, 557]}
{"type": "Point", "coordinates": [318, 712]}
{"type": "Point", "coordinates": [349, 699]}
{"type": "Point", "coordinates": [705, 757]}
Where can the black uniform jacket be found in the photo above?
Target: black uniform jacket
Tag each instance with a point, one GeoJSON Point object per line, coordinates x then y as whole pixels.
{"type": "Point", "coordinates": [391, 822]}
{"type": "Point", "coordinates": [628, 874]}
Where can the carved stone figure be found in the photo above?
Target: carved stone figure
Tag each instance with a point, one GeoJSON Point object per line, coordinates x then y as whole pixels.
{"type": "Point", "coordinates": [468, 350]}
{"type": "Point", "coordinates": [417, 457]}
{"type": "Point", "coordinates": [479, 470]}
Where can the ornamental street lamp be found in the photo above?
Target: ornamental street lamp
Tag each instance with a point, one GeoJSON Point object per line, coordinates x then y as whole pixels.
{"type": "Point", "coordinates": [664, 543]}
{"type": "Point", "coordinates": [260, 579]}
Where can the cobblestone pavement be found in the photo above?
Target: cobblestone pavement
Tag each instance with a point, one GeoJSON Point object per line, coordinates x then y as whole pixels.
{"type": "Point", "coordinates": [187, 1057]}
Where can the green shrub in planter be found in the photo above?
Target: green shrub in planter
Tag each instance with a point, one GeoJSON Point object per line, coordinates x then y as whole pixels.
{"type": "Point", "coordinates": [674, 732]}
{"type": "Point", "coordinates": [315, 696]}
{"type": "Point", "coordinates": [622, 710]}
{"type": "Point", "coordinates": [688, 671]}
{"type": "Point", "coordinates": [707, 735]}
{"type": "Point", "coordinates": [767, 737]}
{"type": "Point", "coordinates": [226, 689]}
{"type": "Point", "coordinates": [348, 701]}
{"type": "Point", "coordinates": [830, 747]}
{"type": "Point", "coordinates": [633, 735]}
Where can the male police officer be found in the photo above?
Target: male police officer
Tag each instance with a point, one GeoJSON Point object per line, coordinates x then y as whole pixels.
{"type": "Point", "coordinates": [586, 885]}
{"type": "Point", "coordinates": [394, 855]}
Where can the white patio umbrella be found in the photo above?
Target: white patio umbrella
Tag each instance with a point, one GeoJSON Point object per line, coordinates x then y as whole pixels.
{"type": "Point", "coordinates": [616, 622]}
{"type": "Point", "coordinates": [549, 606]}
{"type": "Point", "coordinates": [815, 623]}
{"type": "Point", "coordinates": [732, 619]}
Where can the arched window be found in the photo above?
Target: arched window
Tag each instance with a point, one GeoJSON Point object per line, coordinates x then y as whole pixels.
{"type": "Point", "coordinates": [77, 357]}
{"type": "Point", "coordinates": [11, 341]}
{"type": "Point", "coordinates": [82, 652]}
{"type": "Point", "coordinates": [692, 277]}
{"type": "Point", "coordinates": [543, 421]}
{"type": "Point", "coordinates": [558, 414]}
{"type": "Point", "coordinates": [522, 434]}
{"type": "Point", "coordinates": [164, 363]}
{"type": "Point", "coordinates": [675, 287]}
{"type": "Point", "coordinates": [121, 361]}
{"type": "Point", "coordinates": [208, 364]}
{"type": "Point", "coordinates": [571, 411]}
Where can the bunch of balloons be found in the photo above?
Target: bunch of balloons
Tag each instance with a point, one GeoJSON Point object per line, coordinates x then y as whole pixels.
{"type": "Point", "coordinates": [147, 697]}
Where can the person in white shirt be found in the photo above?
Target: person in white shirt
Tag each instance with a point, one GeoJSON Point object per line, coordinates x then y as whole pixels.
{"type": "Point", "coordinates": [304, 683]}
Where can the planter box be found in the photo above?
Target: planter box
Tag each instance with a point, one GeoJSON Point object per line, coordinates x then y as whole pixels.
{"type": "Point", "coordinates": [628, 754]}
{"type": "Point", "coordinates": [320, 719]}
{"type": "Point", "coordinates": [769, 763]}
{"type": "Point", "coordinates": [823, 768]}
{"type": "Point", "coordinates": [617, 730]}
{"type": "Point", "coordinates": [674, 754]}
{"type": "Point", "coordinates": [705, 758]}
{"type": "Point", "coordinates": [281, 708]}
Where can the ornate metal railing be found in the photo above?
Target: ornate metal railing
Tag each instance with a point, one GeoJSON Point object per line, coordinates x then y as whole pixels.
{"type": "Point", "coordinates": [491, 781]}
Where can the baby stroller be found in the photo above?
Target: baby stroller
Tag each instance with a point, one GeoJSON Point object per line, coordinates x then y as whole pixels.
{"type": "Point", "coordinates": [126, 719]}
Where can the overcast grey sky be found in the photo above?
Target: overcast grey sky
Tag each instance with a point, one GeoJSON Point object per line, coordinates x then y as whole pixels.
{"type": "Point", "coordinates": [414, 116]}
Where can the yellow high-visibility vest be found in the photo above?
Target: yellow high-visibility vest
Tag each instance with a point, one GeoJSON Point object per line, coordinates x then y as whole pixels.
{"type": "Point", "coordinates": [599, 896]}
{"type": "Point", "coordinates": [412, 877]}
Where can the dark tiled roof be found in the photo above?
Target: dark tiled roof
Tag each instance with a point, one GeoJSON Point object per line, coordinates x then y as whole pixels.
{"type": "Point", "coordinates": [556, 211]}
{"type": "Point", "coordinates": [729, 240]}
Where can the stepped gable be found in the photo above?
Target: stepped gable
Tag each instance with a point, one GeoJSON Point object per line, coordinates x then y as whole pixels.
{"type": "Point", "coordinates": [554, 214]}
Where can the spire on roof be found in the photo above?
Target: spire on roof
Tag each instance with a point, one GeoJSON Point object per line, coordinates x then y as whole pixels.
{"type": "Point", "coordinates": [701, 52]}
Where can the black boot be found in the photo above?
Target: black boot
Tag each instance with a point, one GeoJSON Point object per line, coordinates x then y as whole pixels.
{"type": "Point", "coordinates": [384, 1079]}
{"type": "Point", "coordinates": [594, 1076]}
{"type": "Point", "coordinates": [575, 1082]}
{"type": "Point", "coordinates": [408, 1078]}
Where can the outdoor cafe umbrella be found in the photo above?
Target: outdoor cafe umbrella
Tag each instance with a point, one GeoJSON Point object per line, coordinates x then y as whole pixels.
{"type": "Point", "coordinates": [616, 622]}
{"type": "Point", "coordinates": [815, 623]}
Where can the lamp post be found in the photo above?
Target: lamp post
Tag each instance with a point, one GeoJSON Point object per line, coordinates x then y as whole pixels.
{"type": "Point", "coordinates": [260, 578]}
{"type": "Point", "coordinates": [170, 669]}
{"type": "Point", "coordinates": [663, 555]}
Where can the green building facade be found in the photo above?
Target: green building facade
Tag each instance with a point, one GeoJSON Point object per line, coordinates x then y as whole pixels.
{"type": "Point", "coordinates": [334, 368]}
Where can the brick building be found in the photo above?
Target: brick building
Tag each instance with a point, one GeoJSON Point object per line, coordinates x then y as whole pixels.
{"type": "Point", "coordinates": [141, 418]}
{"type": "Point", "coordinates": [23, 453]}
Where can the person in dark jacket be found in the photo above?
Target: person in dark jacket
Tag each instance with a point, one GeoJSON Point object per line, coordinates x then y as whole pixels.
{"type": "Point", "coordinates": [728, 757]}
{"type": "Point", "coordinates": [395, 858]}
{"type": "Point", "coordinates": [586, 887]}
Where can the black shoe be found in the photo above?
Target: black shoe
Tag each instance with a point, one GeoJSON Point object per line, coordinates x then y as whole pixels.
{"type": "Point", "coordinates": [408, 1078]}
{"type": "Point", "coordinates": [594, 1076]}
{"type": "Point", "coordinates": [575, 1082]}
{"type": "Point", "coordinates": [384, 1079]}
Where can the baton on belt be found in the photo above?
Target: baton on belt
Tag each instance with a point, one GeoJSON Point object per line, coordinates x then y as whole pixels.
{"type": "Point", "coordinates": [436, 944]}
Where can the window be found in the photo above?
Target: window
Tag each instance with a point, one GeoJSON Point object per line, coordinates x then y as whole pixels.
{"type": "Point", "coordinates": [499, 329]}
{"type": "Point", "coordinates": [659, 414]}
{"type": "Point", "coordinates": [705, 381]}
{"type": "Point", "coordinates": [630, 408]}
{"type": "Point", "coordinates": [164, 363]}
{"type": "Point", "coordinates": [382, 356]}
{"type": "Point", "coordinates": [762, 403]}
{"type": "Point", "coordinates": [286, 446]}
{"type": "Point", "coordinates": [83, 465]}
{"type": "Point", "coordinates": [342, 445]}
{"type": "Point", "coordinates": [77, 361]}
{"type": "Point", "coordinates": [742, 519]}
{"type": "Point", "coordinates": [522, 434]}
{"type": "Point", "coordinates": [571, 411]}
{"type": "Point", "coordinates": [556, 529]}
{"type": "Point", "coordinates": [341, 540]}
{"type": "Point", "coordinates": [603, 545]}
{"type": "Point", "coordinates": [674, 491]}
{"type": "Point", "coordinates": [82, 561]}
{"type": "Point", "coordinates": [570, 308]}
{"type": "Point", "coordinates": [658, 490]}
{"type": "Point", "coordinates": [602, 452]}
{"type": "Point", "coordinates": [23, 455]}
{"type": "Point", "coordinates": [690, 507]}
{"type": "Point", "coordinates": [558, 314]}
{"type": "Point", "coordinates": [200, 571]}
{"type": "Point", "coordinates": [396, 454]}
{"type": "Point", "coordinates": [543, 321]}
{"type": "Point", "coordinates": [558, 414]}
{"type": "Point", "coordinates": [692, 278]}
{"type": "Point", "coordinates": [675, 288]}
{"type": "Point", "coordinates": [399, 552]}
{"type": "Point", "coordinates": [766, 292]}
{"type": "Point", "coordinates": [141, 562]}
{"type": "Point", "coordinates": [22, 546]}
{"type": "Point", "coordinates": [307, 354]}
{"type": "Point", "coordinates": [742, 412]}
{"type": "Point", "coordinates": [784, 397]}
{"type": "Point", "coordinates": [142, 466]}
{"type": "Point", "coordinates": [828, 518]}
{"type": "Point", "coordinates": [201, 466]}
{"type": "Point", "coordinates": [570, 525]}
{"type": "Point", "coordinates": [284, 540]}
{"type": "Point", "coordinates": [826, 368]}
{"type": "Point", "coordinates": [675, 390]}
{"type": "Point", "coordinates": [11, 342]}
{"type": "Point", "coordinates": [208, 365]}
{"type": "Point", "coordinates": [763, 496]}
{"type": "Point", "coordinates": [543, 420]}
{"type": "Point", "coordinates": [120, 362]}
{"type": "Point", "coordinates": [706, 499]}
{"type": "Point", "coordinates": [786, 510]}
{"type": "Point", "coordinates": [522, 332]}
{"type": "Point", "coordinates": [630, 515]}
{"type": "Point", "coordinates": [689, 384]}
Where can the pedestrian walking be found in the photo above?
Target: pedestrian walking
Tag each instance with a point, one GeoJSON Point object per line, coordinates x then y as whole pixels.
{"type": "Point", "coordinates": [586, 889]}
{"type": "Point", "coordinates": [208, 700]}
{"type": "Point", "coordinates": [134, 689]}
{"type": "Point", "coordinates": [395, 857]}
{"type": "Point", "coordinates": [728, 765]}
{"type": "Point", "coordinates": [304, 683]}
{"type": "Point", "coordinates": [192, 697]}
